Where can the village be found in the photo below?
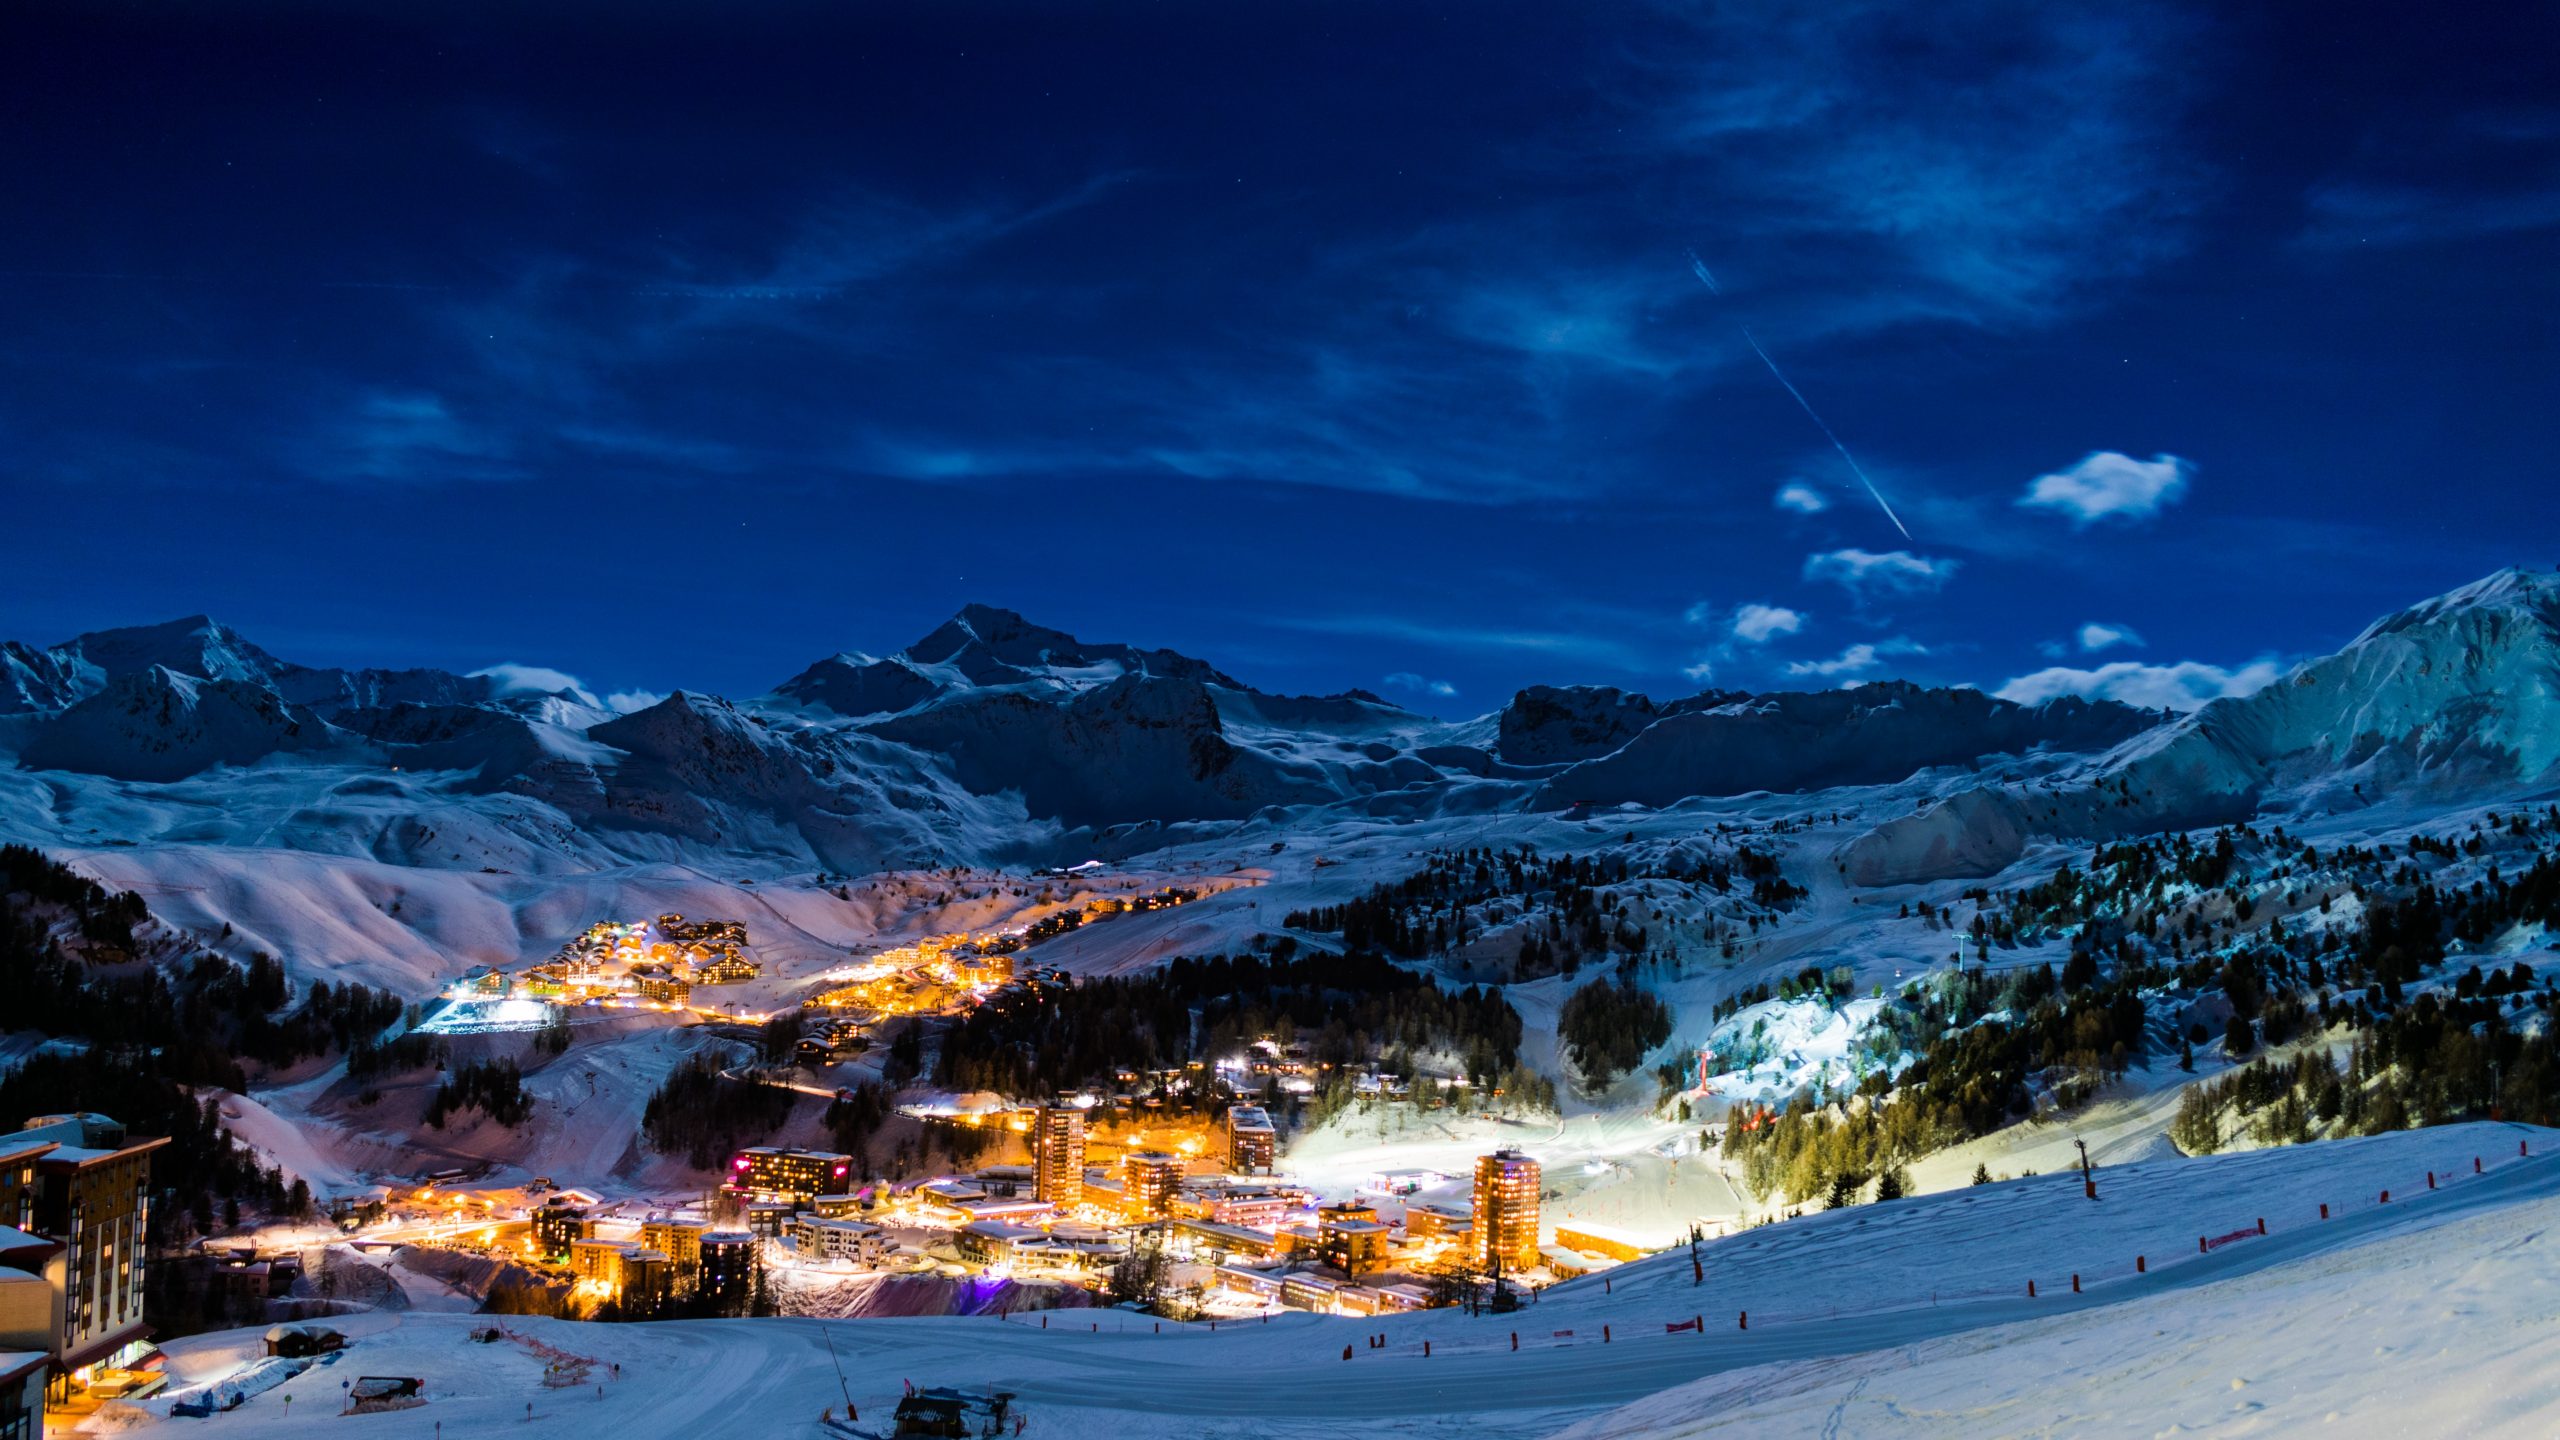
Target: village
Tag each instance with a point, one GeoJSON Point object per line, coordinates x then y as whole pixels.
{"type": "Point", "coordinates": [1174, 1231]}
{"type": "Point", "coordinates": [656, 965]}
{"type": "Point", "coordinates": [1161, 1188]}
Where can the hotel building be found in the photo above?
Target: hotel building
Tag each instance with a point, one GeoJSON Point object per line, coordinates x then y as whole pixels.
{"type": "Point", "coordinates": [1506, 1211]}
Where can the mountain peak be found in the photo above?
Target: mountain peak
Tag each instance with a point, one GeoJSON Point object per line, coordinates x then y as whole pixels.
{"type": "Point", "coordinates": [2532, 593]}
{"type": "Point", "coordinates": [990, 645]}
{"type": "Point", "coordinates": [192, 645]}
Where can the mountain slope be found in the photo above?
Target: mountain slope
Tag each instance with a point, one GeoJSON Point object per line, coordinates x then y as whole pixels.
{"type": "Point", "coordinates": [157, 724]}
{"type": "Point", "coordinates": [2456, 695]}
{"type": "Point", "coordinates": [1873, 735]}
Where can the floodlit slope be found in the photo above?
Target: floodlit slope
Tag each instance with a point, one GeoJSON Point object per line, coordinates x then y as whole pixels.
{"type": "Point", "coordinates": [2157, 1344]}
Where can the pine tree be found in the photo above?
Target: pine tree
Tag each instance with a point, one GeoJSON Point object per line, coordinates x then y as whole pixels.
{"type": "Point", "coordinates": [2237, 1038]}
{"type": "Point", "coordinates": [1981, 1173]}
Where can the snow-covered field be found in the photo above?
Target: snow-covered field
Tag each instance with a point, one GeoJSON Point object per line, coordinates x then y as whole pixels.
{"type": "Point", "coordinates": [2437, 1313]}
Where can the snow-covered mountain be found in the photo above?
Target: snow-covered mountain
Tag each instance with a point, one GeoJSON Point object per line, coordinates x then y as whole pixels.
{"type": "Point", "coordinates": [994, 738]}
{"type": "Point", "coordinates": [1873, 735]}
{"type": "Point", "coordinates": [981, 648]}
{"type": "Point", "coordinates": [2454, 696]}
{"type": "Point", "coordinates": [161, 724]}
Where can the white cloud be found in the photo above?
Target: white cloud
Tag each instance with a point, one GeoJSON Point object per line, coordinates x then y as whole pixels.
{"type": "Point", "coordinates": [515, 679]}
{"type": "Point", "coordinates": [1702, 672]}
{"type": "Point", "coordinates": [2107, 485]}
{"type": "Point", "coordinates": [1407, 680]}
{"type": "Point", "coordinates": [2187, 685]}
{"type": "Point", "coordinates": [2095, 637]}
{"type": "Point", "coordinates": [1857, 658]}
{"type": "Point", "coordinates": [628, 702]}
{"type": "Point", "coordinates": [1802, 498]}
{"type": "Point", "coordinates": [1757, 624]}
{"type": "Point", "coordinates": [1865, 572]}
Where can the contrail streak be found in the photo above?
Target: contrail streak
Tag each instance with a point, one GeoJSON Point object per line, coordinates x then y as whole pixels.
{"type": "Point", "coordinates": [1698, 267]}
{"type": "Point", "coordinates": [1854, 467]}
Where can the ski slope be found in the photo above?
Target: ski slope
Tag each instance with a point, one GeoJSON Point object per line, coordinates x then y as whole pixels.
{"type": "Point", "coordinates": [2432, 1313]}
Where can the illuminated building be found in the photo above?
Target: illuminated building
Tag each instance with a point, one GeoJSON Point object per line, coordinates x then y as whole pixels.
{"type": "Point", "coordinates": [1352, 1240]}
{"type": "Point", "coordinates": [647, 1277]}
{"type": "Point", "coordinates": [728, 1275]}
{"type": "Point", "coordinates": [680, 1239]}
{"type": "Point", "coordinates": [1057, 1152]}
{"type": "Point", "coordinates": [18, 1181]}
{"type": "Point", "coordinates": [1221, 1243]}
{"type": "Point", "coordinates": [1260, 1204]}
{"type": "Point", "coordinates": [660, 986]}
{"type": "Point", "coordinates": [857, 1241]}
{"type": "Point", "coordinates": [1600, 1240]}
{"type": "Point", "coordinates": [992, 1242]}
{"type": "Point", "coordinates": [1437, 1222]}
{"type": "Point", "coordinates": [725, 970]}
{"type": "Point", "coordinates": [1252, 1144]}
{"type": "Point", "coordinates": [1306, 1290]}
{"type": "Point", "coordinates": [836, 1207]}
{"type": "Point", "coordinates": [795, 1176]}
{"type": "Point", "coordinates": [22, 1376]}
{"type": "Point", "coordinates": [1148, 1180]}
{"type": "Point", "coordinates": [597, 1261]}
{"type": "Point", "coordinates": [556, 1227]}
{"type": "Point", "coordinates": [1506, 1214]}
{"type": "Point", "coordinates": [93, 1195]}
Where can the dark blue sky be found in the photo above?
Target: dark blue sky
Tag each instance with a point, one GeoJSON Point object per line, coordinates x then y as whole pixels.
{"type": "Point", "coordinates": [680, 345]}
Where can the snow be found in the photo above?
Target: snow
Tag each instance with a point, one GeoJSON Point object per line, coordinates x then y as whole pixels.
{"type": "Point", "coordinates": [400, 828]}
{"type": "Point", "coordinates": [2435, 1316]}
{"type": "Point", "coordinates": [290, 1144]}
{"type": "Point", "coordinates": [1792, 1045]}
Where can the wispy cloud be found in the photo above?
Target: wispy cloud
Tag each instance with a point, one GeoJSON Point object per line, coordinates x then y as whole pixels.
{"type": "Point", "coordinates": [1756, 624]}
{"type": "Point", "coordinates": [1857, 659]}
{"type": "Point", "coordinates": [2478, 175]}
{"type": "Point", "coordinates": [584, 357]}
{"type": "Point", "coordinates": [1923, 177]}
{"type": "Point", "coordinates": [515, 679]}
{"type": "Point", "coordinates": [2095, 637]}
{"type": "Point", "coordinates": [2186, 685]}
{"type": "Point", "coordinates": [1419, 685]}
{"type": "Point", "coordinates": [402, 436]}
{"type": "Point", "coordinates": [1866, 573]}
{"type": "Point", "coordinates": [1801, 498]}
{"type": "Point", "coordinates": [2105, 485]}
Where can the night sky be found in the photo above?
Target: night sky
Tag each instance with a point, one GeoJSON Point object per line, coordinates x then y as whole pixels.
{"type": "Point", "coordinates": [1343, 345]}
